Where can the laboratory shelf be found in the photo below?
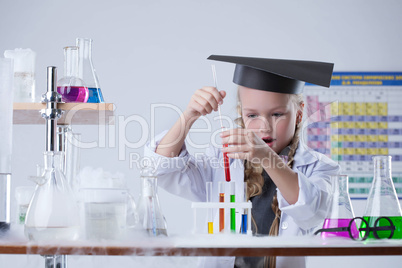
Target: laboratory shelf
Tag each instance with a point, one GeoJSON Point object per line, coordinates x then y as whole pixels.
{"type": "Point", "coordinates": [202, 246]}
{"type": "Point", "coordinates": [28, 113]}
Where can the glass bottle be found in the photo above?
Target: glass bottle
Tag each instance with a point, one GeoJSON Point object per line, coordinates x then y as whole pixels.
{"type": "Point", "coordinates": [149, 212]}
{"type": "Point", "coordinates": [53, 212]}
{"type": "Point", "coordinates": [71, 87]}
{"type": "Point", "coordinates": [382, 200]}
{"type": "Point", "coordinates": [86, 70]}
{"type": "Point", "coordinates": [340, 211]}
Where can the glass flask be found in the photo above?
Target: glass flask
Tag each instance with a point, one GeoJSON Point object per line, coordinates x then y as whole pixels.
{"type": "Point", "coordinates": [340, 212]}
{"type": "Point", "coordinates": [71, 87]}
{"type": "Point", "coordinates": [53, 212]}
{"type": "Point", "coordinates": [86, 70]}
{"type": "Point", "coordinates": [149, 212]}
{"type": "Point", "coordinates": [382, 200]}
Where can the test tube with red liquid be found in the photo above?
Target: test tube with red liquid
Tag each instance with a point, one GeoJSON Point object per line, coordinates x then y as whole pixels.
{"type": "Point", "coordinates": [221, 210]}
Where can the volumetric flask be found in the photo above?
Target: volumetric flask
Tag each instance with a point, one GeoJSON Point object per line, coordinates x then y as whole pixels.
{"type": "Point", "coordinates": [382, 200]}
{"type": "Point", "coordinates": [86, 70]}
{"type": "Point", "coordinates": [149, 212]}
{"type": "Point", "coordinates": [53, 212]}
{"type": "Point", "coordinates": [71, 87]}
{"type": "Point", "coordinates": [340, 212]}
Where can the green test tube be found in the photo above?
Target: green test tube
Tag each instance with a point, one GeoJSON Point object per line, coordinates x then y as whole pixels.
{"type": "Point", "coordinates": [232, 210]}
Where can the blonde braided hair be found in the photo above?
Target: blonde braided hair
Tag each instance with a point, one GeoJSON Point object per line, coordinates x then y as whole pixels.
{"type": "Point", "coordinates": [253, 173]}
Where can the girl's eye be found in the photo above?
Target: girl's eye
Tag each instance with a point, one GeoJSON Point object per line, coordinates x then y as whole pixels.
{"type": "Point", "coordinates": [277, 114]}
{"type": "Point", "coordinates": [252, 116]}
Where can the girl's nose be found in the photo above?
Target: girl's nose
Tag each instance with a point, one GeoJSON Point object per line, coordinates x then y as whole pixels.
{"type": "Point", "coordinates": [264, 126]}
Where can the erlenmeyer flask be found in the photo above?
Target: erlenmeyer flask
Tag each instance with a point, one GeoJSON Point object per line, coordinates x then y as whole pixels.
{"type": "Point", "coordinates": [382, 200]}
{"type": "Point", "coordinates": [86, 70]}
{"type": "Point", "coordinates": [71, 87]}
{"type": "Point", "coordinates": [149, 212]}
{"type": "Point", "coordinates": [53, 211]}
{"type": "Point", "coordinates": [340, 212]}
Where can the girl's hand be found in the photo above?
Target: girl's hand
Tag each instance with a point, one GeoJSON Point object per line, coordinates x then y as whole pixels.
{"type": "Point", "coordinates": [204, 101]}
{"type": "Point", "coordinates": [245, 144]}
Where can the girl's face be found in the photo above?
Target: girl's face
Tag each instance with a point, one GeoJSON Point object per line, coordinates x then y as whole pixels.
{"type": "Point", "coordinates": [271, 116]}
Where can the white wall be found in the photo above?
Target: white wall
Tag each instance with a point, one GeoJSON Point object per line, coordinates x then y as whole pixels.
{"type": "Point", "coordinates": [148, 52]}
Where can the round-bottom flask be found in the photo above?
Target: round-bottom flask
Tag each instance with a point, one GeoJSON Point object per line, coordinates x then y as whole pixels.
{"type": "Point", "coordinates": [71, 87]}
{"type": "Point", "coordinates": [53, 212]}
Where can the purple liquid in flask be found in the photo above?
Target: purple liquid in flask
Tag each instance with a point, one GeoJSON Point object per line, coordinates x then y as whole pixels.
{"type": "Point", "coordinates": [337, 223]}
{"type": "Point", "coordinates": [73, 93]}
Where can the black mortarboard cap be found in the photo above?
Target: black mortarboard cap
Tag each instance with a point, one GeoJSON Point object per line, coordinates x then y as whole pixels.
{"type": "Point", "coordinates": [278, 75]}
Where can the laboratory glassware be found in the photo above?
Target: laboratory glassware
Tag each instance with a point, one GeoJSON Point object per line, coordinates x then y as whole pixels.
{"type": "Point", "coordinates": [150, 214]}
{"type": "Point", "coordinates": [232, 192]}
{"type": "Point", "coordinates": [382, 200]}
{"type": "Point", "coordinates": [6, 123]}
{"type": "Point", "coordinates": [226, 163]}
{"type": "Point", "coordinates": [86, 70]}
{"type": "Point", "coordinates": [105, 212]}
{"type": "Point", "coordinates": [71, 87]}
{"type": "Point", "coordinates": [210, 211]}
{"type": "Point", "coordinates": [53, 211]}
{"type": "Point", "coordinates": [24, 73]}
{"type": "Point", "coordinates": [221, 210]}
{"type": "Point", "coordinates": [340, 212]}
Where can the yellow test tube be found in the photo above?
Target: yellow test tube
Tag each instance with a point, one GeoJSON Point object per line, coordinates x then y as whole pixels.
{"type": "Point", "coordinates": [209, 200]}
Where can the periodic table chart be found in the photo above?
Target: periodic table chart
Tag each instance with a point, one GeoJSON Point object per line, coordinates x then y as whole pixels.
{"type": "Point", "coordinates": [358, 117]}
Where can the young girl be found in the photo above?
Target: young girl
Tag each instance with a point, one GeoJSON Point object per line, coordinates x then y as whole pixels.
{"type": "Point", "coordinates": [288, 199]}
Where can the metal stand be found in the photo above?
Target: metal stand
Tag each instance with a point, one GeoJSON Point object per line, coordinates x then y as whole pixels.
{"type": "Point", "coordinates": [51, 114]}
{"type": "Point", "coordinates": [55, 261]}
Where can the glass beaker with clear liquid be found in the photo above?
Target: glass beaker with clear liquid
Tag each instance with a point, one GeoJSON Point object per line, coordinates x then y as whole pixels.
{"type": "Point", "coordinates": [340, 212]}
{"type": "Point", "coordinates": [53, 212]}
{"type": "Point", "coordinates": [149, 212]}
{"type": "Point", "coordinates": [24, 73]}
{"type": "Point", "coordinates": [86, 70]}
{"type": "Point", "coordinates": [382, 200]}
{"type": "Point", "coordinates": [71, 87]}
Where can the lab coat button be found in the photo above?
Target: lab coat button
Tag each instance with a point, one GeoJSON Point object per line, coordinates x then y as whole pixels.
{"type": "Point", "coordinates": [284, 225]}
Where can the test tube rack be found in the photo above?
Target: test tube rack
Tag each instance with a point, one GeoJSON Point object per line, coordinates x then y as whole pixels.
{"type": "Point", "coordinates": [225, 205]}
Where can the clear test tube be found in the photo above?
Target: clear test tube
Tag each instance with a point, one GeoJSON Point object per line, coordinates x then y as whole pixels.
{"type": "Point", "coordinates": [209, 200]}
{"type": "Point", "coordinates": [245, 212]}
{"type": "Point", "coordinates": [221, 210]}
{"type": "Point", "coordinates": [232, 210]}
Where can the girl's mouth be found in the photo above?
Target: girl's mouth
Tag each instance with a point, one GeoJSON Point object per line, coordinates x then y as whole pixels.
{"type": "Point", "coordinates": [268, 140]}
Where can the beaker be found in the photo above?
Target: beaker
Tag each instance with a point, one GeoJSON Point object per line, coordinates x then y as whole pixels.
{"type": "Point", "coordinates": [24, 73]}
{"type": "Point", "coordinates": [105, 212]}
{"type": "Point", "coordinates": [71, 87]}
{"type": "Point", "coordinates": [86, 70]}
{"type": "Point", "coordinates": [382, 200]}
{"type": "Point", "coordinates": [150, 214]}
{"type": "Point", "coordinates": [340, 212]}
{"type": "Point", "coordinates": [53, 212]}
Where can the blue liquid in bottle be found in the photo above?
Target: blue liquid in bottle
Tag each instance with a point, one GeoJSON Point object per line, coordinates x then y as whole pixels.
{"type": "Point", "coordinates": [244, 223]}
{"type": "Point", "coordinates": [95, 95]}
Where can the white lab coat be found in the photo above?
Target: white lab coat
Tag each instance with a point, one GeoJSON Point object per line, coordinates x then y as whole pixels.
{"type": "Point", "coordinates": [187, 175]}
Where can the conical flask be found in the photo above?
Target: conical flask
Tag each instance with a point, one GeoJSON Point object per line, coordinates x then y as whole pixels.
{"type": "Point", "coordinates": [340, 212]}
{"type": "Point", "coordinates": [53, 212]}
{"type": "Point", "coordinates": [86, 70]}
{"type": "Point", "coordinates": [71, 87]}
{"type": "Point", "coordinates": [382, 200]}
{"type": "Point", "coordinates": [150, 214]}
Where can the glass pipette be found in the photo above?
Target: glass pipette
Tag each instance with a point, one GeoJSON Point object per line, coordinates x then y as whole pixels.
{"type": "Point", "coordinates": [225, 155]}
